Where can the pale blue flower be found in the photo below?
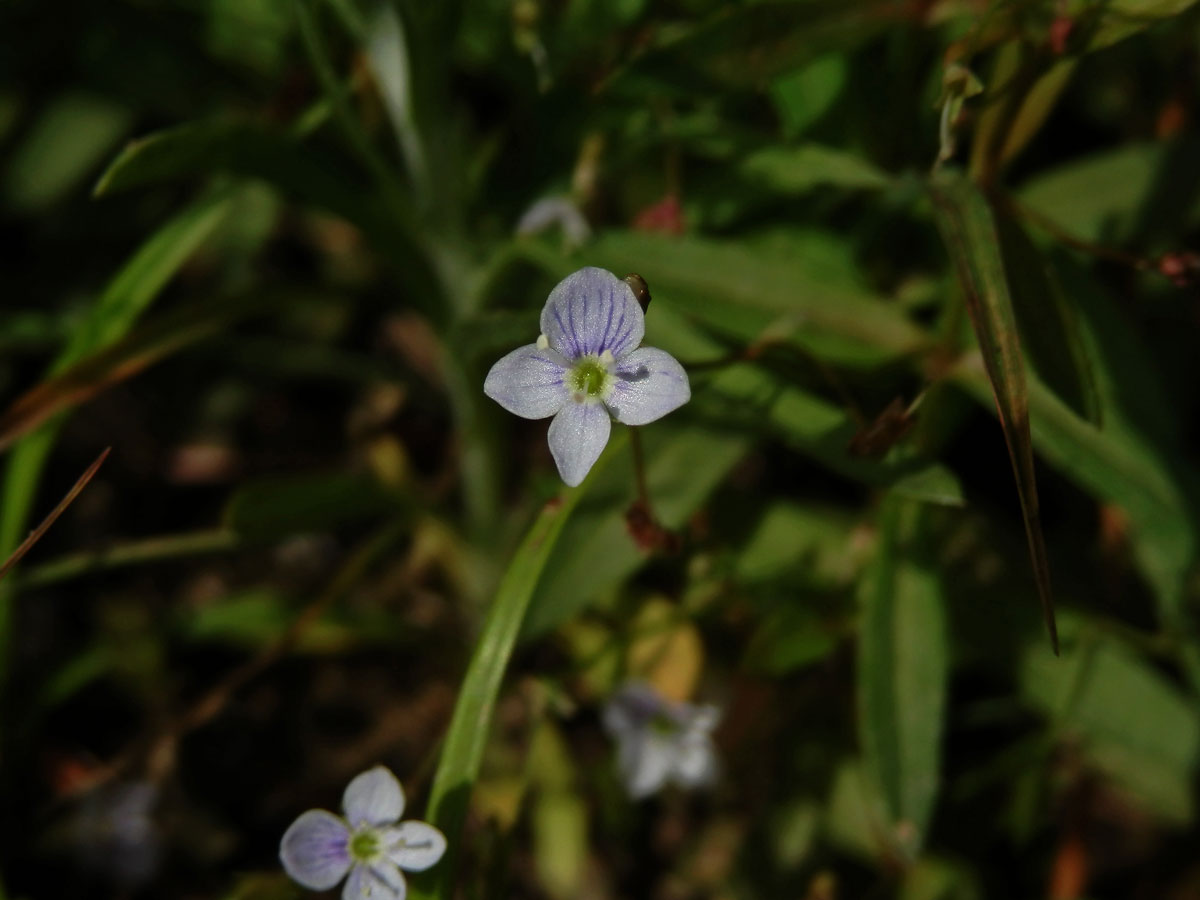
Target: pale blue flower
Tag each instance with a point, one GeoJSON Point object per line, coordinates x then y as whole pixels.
{"type": "Point", "coordinates": [659, 741]}
{"type": "Point", "coordinates": [369, 844]}
{"type": "Point", "coordinates": [587, 369]}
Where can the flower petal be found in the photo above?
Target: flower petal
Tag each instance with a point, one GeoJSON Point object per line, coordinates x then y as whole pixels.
{"type": "Point", "coordinates": [379, 881]}
{"type": "Point", "coordinates": [695, 763]}
{"type": "Point", "coordinates": [414, 846]}
{"type": "Point", "coordinates": [591, 311]}
{"type": "Point", "coordinates": [315, 850]}
{"type": "Point", "coordinates": [648, 384]}
{"type": "Point", "coordinates": [577, 437]}
{"type": "Point", "coordinates": [528, 382]}
{"type": "Point", "coordinates": [631, 708]}
{"type": "Point", "coordinates": [644, 763]}
{"type": "Point", "coordinates": [556, 210]}
{"type": "Point", "coordinates": [373, 798]}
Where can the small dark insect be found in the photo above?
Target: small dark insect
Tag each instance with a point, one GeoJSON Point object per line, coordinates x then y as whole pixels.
{"type": "Point", "coordinates": [877, 437]}
{"type": "Point", "coordinates": [641, 290]}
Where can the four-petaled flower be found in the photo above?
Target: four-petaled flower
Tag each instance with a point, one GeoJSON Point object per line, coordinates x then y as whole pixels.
{"type": "Point", "coordinates": [370, 844]}
{"type": "Point", "coordinates": [660, 741]}
{"type": "Point", "coordinates": [587, 369]}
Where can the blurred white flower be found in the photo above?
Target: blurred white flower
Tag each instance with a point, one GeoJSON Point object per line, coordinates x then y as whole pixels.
{"type": "Point", "coordinates": [659, 741]}
{"type": "Point", "coordinates": [115, 833]}
{"type": "Point", "coordinates": [556, 211]}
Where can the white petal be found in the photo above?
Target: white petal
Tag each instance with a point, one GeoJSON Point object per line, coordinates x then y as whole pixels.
{"type": "Point", "coordinates": [556, 210]}
{"type": "Point", "coordinates": [631, 708]}
{"type": "Point", "coordinates": [591, 311]}
{"type": "Point", "coordinates": [647, 384]}
{"type": "Point", "coordinates": [695, 763]}
{"type": "Point", "coordinates": [528, 382]}
{"type": "Point", "coordinates": [373, 798]}
{"type": "Point", "coordinates": [577, 437]}
{"type": "Point", "coordinates": [645, 763]}
{"type": "Point", "coordinates": [414, 846]}
{"type": "Point", "coordinates": [379, 881]}
{"type": "Point", "coordinates": [315, 850]}
{"type": "Point", "coordinates": [702, 719]}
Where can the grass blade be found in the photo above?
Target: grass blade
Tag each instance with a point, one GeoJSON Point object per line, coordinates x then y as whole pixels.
{"type": "Point", "coordinates": [467, 736]}
{"type": "Point", "coordinates": [122, 360]}
{"type": "Point", "coordinates": [129, 293]}
{"type": "Point", "coordinates": [36, 534]}
{"type": "Point", "coordinates": [967, 226]}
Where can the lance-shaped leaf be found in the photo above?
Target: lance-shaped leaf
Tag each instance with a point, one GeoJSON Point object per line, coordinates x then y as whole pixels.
{"type": "Point", "coordinates": [462, 752]}
{"type": "Point", "coordinates": [902, 675]}
{"type": "Point", "coordinates": [747, 46]}
{"type": "Point", "coordinates": [122, 360]}
{"type": "Point", "coordinates": [967, 226]}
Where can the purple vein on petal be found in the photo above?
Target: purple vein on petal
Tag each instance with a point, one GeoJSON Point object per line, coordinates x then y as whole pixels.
{"type": "Point", "coordinates": [613, 344]}
{"type": "Point", "coordinates": [587, 337]}
{"type": "Point", "coordinates": [574, 334]}
{"type": "Point", "coordinates": [607, 325]}
{"type": "Point", "coordinates": [566, 334]}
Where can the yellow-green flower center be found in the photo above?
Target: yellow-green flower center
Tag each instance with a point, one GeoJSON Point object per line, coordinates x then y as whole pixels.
{"type": "Point", "coordinates": [589, 377]}
{"type": "Point", "coordinates": [364, 845]}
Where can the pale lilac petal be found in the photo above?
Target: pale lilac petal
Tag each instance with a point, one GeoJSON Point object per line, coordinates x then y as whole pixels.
{"type": "Point", "coordinates": [647, 384]}
{"type": "Point", "coordinates": [577, 437]}
{"type": "Point", "coordinates": [315, 850]}
{"type": "Point", "coordinates": [373, 798]}
{"type": "Point", "coordinates": [529, 382]}
{"type": "Point", "coordinates": [556, 210]}
{"type": "Point", "coordinates": [645, 763]}
{"type": "Point", "coordinates": [695, 762]}
{"type": "Point", "coordinates": [379, 881]}
{"type": "Point", "coordinates": [414, 846]}
{"type": "Point", "coordinates": [631, 708]}
{"type": "Point", "coordinates": [591, 311]}
{"type": "Point", "coordinates": [703, 719]}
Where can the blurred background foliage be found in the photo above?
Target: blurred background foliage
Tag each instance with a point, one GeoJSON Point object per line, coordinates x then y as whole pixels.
{"type": "Point", "coordinates": [265, 250]}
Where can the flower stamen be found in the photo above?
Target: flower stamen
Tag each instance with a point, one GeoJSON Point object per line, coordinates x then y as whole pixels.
{"type": "Point", "coordinates": [589, 378]}
{"type": "Point", "coordinates": [364, 846]}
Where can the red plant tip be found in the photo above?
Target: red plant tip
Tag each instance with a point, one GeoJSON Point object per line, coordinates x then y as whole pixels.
{"type": "Point", "coordinates": [1182, 267]}
{"type": "Point", "coordinates": [1060, 33]}
{"type": "Point", "coordinates": [665, 217]}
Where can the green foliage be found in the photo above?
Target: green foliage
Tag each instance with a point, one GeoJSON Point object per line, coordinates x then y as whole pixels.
{"type": "Point", "coordinates": [932, 272]}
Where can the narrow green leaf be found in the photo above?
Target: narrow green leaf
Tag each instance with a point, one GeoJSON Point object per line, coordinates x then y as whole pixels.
{"type": "Point", "coordinates": [1134, 725]}
{"type": "Point", "coordinates": [796, 170]}
{"type": "Point", "coordinates": [69, 140]}
{"type": "Point", "coordinates": [747, 396]}
{"type": "Point", "coordinates": [300, 172]}
{"type": "Point", "coordinates": [1051, 331]}
{"type": "Point", "coordinates": [1119, 19]}
{"type": "Point", "coordinates": [470, 726]}
{"type": "Point", "coordinates": [130, 553]}
{"type": "Point", "coordinates": [803, 96]}
{"type": "Point", "coordinates": [902, 672]}
{"type": "Point", "coordinates": [742, 289]}
{"type": "Point", "coordinates": [1022, 94]}
{"type": "Point", "coordinates": [966, 223]}
{"type": "Point", "coordinates": [124, 359]}
{"type": "Point", "coordinates": [747, 46]}
{"type": "Point", "coordinates": [132, 289]}
{"type": "Point", "coordinates": [1135, 461]}
{"type": "Point", "coordinates": [1136, 191]}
